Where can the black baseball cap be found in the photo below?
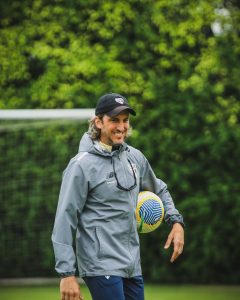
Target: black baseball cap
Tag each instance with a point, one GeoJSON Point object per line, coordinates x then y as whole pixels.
{"type": "Point", "coordinates": [112, 104]}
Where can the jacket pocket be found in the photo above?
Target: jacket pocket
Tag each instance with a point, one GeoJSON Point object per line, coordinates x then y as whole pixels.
{"type": "Point", "coordinates": [108, 247]}
{"type": "Point", "coordinates": [100, 240]}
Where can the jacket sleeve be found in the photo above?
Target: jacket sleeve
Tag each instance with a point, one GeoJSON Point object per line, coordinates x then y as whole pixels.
{"type": "Point", "coordinates": [73, 194]}
{"type": "Point", "coordinates": [149, 182]}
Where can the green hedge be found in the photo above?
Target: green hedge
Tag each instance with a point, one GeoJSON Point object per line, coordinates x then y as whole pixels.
{"type": "Point", "coordinates": [180, 73]}
{"type": "Point", "coordinates": [32, 158]}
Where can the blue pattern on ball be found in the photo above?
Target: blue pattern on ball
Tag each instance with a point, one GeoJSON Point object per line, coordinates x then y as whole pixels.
{"type": "Point", "coordinates": [150, 211]}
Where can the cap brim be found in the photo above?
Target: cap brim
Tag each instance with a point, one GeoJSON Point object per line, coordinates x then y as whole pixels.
{"type": "Point", "coordinates": [116, 111]}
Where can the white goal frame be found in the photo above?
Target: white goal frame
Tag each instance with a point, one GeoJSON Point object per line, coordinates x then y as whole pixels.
{"type": "Point", "coordinates": [45, 114]}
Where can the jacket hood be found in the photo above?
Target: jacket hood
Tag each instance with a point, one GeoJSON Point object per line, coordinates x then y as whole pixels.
{"type": "Point", "coordinates": [91, 146]}
{"type": "Point", "coordinates": [86, 143]}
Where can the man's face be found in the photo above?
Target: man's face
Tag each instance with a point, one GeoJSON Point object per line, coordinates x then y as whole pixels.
{"type": "Point", "coordinates": [113, 129]}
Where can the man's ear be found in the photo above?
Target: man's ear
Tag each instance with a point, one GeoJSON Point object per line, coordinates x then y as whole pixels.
{"type": "Point", "coordinates": [98, 123]}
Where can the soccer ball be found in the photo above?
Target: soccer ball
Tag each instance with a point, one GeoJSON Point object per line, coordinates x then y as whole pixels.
{"type": "Point", "coordinates": [149, 212]}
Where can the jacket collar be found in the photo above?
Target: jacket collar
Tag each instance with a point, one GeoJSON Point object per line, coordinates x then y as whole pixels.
{"type": "Point", "coordinates": [91, 146]}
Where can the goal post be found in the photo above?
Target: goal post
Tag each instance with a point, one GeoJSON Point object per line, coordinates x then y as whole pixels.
{"type": "Point", "coordinates": [35, 148]}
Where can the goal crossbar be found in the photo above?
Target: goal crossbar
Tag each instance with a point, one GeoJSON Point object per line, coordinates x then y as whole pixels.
{"type": "Point", "coordinates": [41, 114]}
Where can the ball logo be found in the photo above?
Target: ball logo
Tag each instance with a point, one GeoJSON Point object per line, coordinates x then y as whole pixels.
{"type": "Point", "coordinates": [119, 100]}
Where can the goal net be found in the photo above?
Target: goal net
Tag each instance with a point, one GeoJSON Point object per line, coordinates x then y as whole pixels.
{"type": "Point", "coordinates": [35, 147]}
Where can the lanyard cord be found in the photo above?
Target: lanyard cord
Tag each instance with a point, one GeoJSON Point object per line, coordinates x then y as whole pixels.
{"type": "Point", "coordinates": [118, 183]}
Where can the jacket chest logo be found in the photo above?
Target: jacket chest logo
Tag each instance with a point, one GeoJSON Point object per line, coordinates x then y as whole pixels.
{"type": "Point", "coordinates": [133, 169]}
{"type": "Point", "coordinates": [110, 178]}
{"type": "Point", "coordinates": [110, 175]}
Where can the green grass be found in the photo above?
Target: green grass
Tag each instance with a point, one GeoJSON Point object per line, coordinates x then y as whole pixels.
{"type": "Point", "coordinates": [173, 292]}
{"type": "Point", "coordinates": [152, 292]}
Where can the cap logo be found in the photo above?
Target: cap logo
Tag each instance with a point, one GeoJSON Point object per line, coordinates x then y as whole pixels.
{"type": "Point", "coordinates": [119, 100]}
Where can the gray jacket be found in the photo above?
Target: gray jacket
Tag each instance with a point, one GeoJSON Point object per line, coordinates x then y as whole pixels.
{"type": "Point", "coordinates": [99, 215]}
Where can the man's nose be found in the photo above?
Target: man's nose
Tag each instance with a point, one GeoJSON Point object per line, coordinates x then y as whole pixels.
{"type": "Point", "coordinates": [121, 126]}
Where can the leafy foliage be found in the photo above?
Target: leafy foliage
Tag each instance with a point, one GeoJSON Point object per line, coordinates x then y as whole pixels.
{"type": "Point", "coordinates": [178, 63]}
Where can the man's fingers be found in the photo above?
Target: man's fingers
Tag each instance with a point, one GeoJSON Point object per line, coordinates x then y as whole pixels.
{"type": "Point", "coordinates": [71, 295]}
{"type": "Point", "coordinates": [168, 242]}
{"type": "Point", "coordinates": [176, 237]}
{"type": "Point", "coordinates": [76, 295]}
{"type": "Point", "coordinates": [65, 296]}
{"type": "Point", "coordinates": [178, 249]}
{"type": "Point", "coordinates": [70, 289]}
{"type": "Point", "coordinates": [175, 256]}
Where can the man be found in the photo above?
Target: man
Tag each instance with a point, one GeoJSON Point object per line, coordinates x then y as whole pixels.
{"type": "Point", "coordinates": [97, 203]}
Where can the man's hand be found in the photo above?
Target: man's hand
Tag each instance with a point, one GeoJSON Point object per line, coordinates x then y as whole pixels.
{"type": "Point", "coordinates": [176, 236]}
{"type": "Point", "coordinates": [69, 289]}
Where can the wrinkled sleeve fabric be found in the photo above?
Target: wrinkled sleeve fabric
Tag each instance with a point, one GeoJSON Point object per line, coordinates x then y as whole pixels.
{"type": "Point", "coordinates": [73, 195]}
{"type": "Point", "coordinates": [149, 182]}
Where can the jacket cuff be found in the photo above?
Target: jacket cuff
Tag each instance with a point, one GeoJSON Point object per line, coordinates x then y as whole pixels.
{"type": "Point", "coordinates": [67, 274]}
{"type": "Point", "coordinates": [176, 219]}
{"type": "Point", "coordinates": [179, 222]}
